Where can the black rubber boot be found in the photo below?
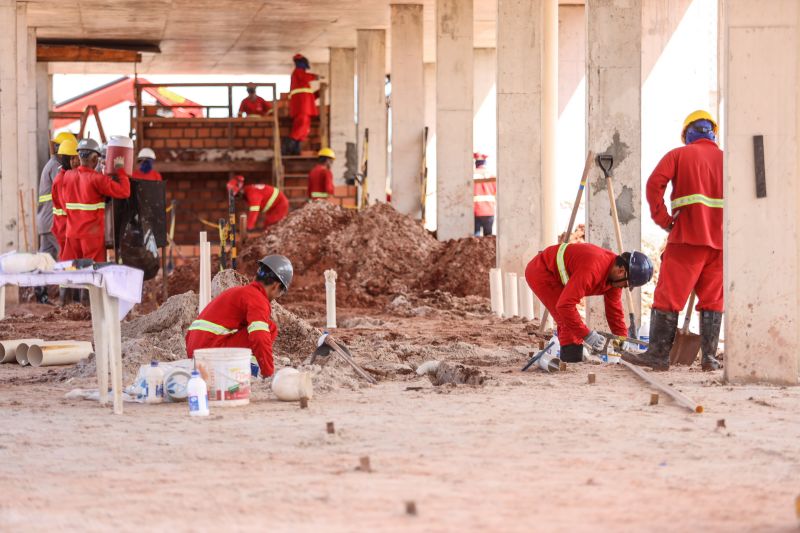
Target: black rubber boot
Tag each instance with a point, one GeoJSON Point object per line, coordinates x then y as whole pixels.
{"type": "Point", "coordinates": [663, 326]}
{"type": "Point", "coordinates": [710, 324]}
{"type": "Point", "coordinates": [571, 353]}
{"type": "Point", "coordinates": [285, 147]}
{"type": "Point", "coordinates": [41, 295]}
{"type": "Point", "coordinates": [295, 147]}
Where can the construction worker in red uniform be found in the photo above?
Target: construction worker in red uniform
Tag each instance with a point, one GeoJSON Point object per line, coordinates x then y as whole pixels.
{"type": "Point", "coordinates": [82, 192]}
{"type": "Point", "coordinates": [563, 274]}
{"type": "Point", "coordinates": [253, 105]}
{"type": "Point", "coordinates": [68, 152]}
{"type": "Point", "coordinates": [145, 162]}
{"type": "Point", "coordinates": [484, 196]}
{"type": "Point", "coordinates": [692, 259]}
{"type": "Point", "coordinates": [320, 179]}
{"type": "Point", "coordinates": [240, 317]}
{"type": "Point", "coordinates": [261, 198]}
{"type": "Point", "coordinates": [302, 104]}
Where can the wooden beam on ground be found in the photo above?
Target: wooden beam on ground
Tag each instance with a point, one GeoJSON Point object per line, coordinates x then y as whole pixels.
{"type": "Point", "coordinates": [81, 53]}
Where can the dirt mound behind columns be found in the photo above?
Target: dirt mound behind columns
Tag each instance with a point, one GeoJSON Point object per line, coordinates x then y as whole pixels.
{"type": "Point", "coordinates": [461, 267]}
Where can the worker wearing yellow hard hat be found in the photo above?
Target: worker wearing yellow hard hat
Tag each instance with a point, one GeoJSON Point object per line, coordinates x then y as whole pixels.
{"type": "Point", "coordinates": [68, 155]}
{"type": "Point", "coordinates": [63, 136]}
{"type": "Point", "coordinates": [320, 179]}
{"type": "Point", "coordinates": [692, 259]}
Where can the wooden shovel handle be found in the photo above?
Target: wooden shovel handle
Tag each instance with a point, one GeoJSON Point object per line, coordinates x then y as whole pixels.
{"type": "Point", "coordinates": [689, 311]}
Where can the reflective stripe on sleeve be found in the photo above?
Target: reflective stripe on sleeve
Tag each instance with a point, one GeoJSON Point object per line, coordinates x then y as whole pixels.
{"type": "Point", "coordinates": [683, 201]}
{"type": "Point", "coordinates": [562, 269]}
{"type": "Point", "coordinates": [45, 198]}
{"type": "Point", "coordinates": [210, 327]}
{"type": "Point", "coordinates": [301, 90]}
{"type": "Point", "coordinates": [253, 208]}
{"type": "Point", "coordinates": [271, 200]}
{"type": "Point", "coordinates": [86, 207]}
{"type": "Point", "coordinates": [483, 198]}
{"type": "Point", "coordinates": [258, 326]}
{"type": "Point", "coordinates": [59, 212]}
{"type": "Point", "coordinates": [319, 195]}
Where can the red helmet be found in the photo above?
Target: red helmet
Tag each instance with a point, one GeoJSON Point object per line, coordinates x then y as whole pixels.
{"type": "Point", "coordinates": [298, 56]}
{"type": "Point", "coordinates": [235, 184]}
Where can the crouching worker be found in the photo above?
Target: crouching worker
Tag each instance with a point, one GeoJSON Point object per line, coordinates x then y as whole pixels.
{"type": "Point", "coordinates": [562, 275]}
{"type": "Point", "coordinates": [240, 317]}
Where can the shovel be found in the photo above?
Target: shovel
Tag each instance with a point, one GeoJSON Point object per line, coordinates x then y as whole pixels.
{"type": "Point", "coordinates": [686, 345]}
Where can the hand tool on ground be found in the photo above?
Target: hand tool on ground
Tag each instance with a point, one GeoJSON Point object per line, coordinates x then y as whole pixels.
{"type": "Point", "coordinates": [328, 344]}
{"type": "Point", "coordinates": [606, 162]}
{"type": "Point", "coordinates": [684, 349]}
{"type": "Point", "coordinates": [171, 237]}
{"type": "Point", "coordinates": [539, 354]}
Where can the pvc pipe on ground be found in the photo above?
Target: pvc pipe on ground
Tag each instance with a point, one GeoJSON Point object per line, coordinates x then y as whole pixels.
{"type": "Point", "coordinates": [525, 299]}
{"type": "Point", "coordinates": [330, 297]}
{"type": "Point", "coordinates": [58, 353]}
{"type": "Point", "coordinates": [8, 349]}
{"type": "Point", "coordinates": [291, 385]}
{"type": "Point", "coordinates": [496, 290]}
{"type": "Point", "coordinates": [510, 296]}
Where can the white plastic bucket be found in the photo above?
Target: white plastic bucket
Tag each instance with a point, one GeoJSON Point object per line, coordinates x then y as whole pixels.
{"type": "Point", "coordinates": [227, 373]}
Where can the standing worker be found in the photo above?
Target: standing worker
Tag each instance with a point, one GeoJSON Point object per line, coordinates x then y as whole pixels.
{"type": "Point", "coordinates": [240, 317]}
{"type": "Point", "coordinates": [253, 105]}
{"type": "Point", "coordinates": [261, 198]}
{"type": "Point", "coordinates": [68, 149]}
{"type": "Point", "coordinates": [302, 104]}
{"type": "Point", "coordinates": [145, 162]}
{"type": "Point", "coordinates": [320, 179]}
{"type": "Point", "coordinates": [692, 258]}
{"type": "Point", "coordinates": [563, 274]}
{"type": "Point", "coordinates": [82, 192]}
{"type": "Point", "coordinates": [484, 196]}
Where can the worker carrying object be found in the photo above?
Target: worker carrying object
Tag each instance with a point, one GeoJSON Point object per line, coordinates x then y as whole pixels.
{"type": "Point", "coordinates": [253, 105]}
{"type": "Point", "coordinates": [320, 179]}
{"type": "Point", "coordinates": [261, 198]}
{"type": "Point", "coordinates": [240, 317]}
{"type": "Point", "coordinates": [563, 274]}
{"type": "Point", "coordinates": [302, 104]}
{"type": "Point", "coordinates": [82, 191]}
{"type": "Point", "coordinates": [145, 163]}
{"type": "Point", "coordinates": [484, 196]}
{"type": "Point", "coordinates": [692, 259]}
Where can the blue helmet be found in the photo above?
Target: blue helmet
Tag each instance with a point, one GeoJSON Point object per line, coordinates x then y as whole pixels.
{"type": "Point", "coordinates": [640, 269]}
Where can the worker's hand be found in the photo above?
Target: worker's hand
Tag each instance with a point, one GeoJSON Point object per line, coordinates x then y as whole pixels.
{"type": "Point", "coordinates": [595, 341]}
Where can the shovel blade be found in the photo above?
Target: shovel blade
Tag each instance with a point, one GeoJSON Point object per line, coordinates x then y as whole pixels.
{"type": "Point", "coordinates": [684, 349]}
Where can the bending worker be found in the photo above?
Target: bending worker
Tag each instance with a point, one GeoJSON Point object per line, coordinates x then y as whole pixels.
{"type": "Point", "coordinates": [320, 179]}
{"type": "Point", "coordinates": [261, 198]}
{"type": "Point", "coordinates": [302, 104]}
{"type": "Point", "coordinates": [692, 259]}
{"type": "Point", "coordinates": [563, 274]}
{"type": "Point", "coordinates": [240, 317]}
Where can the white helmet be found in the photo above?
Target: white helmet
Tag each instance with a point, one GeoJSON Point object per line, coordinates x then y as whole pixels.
{"type": "Point", "coordinates": [146, 153]}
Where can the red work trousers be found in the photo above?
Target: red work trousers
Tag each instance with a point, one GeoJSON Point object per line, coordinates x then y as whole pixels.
{"type": "Point", "coordinates": [685, 267]}
{"type": "Point", "coordinates": [93, 248]}
{"type": "Point", "coordinates": [301, 126]}
{"type": "Point", "coordinates": [547, 287]}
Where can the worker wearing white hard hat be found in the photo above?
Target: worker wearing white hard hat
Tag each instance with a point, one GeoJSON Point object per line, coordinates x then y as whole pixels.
{"type": "Point", "coordinates": [145, 166]}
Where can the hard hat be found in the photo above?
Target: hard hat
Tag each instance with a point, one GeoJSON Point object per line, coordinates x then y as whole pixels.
{"type": "Point", "coordinates": [479, 157]}
{"type": "Point", "coordinates": [298, 57]}
{"type": "Point", "coordinates": [695, 116]}
{"type": "Point", "coordinates": [103, 149]}
{"type": "Point", "coordinates": [89, 144]}
{"type": "Point", "coordinates": [235, 184]}
{"type": "Point", "coordinates": [63, 136]}
{"type": "Point", "coordinates": [146, 153]}
{"type": "Point", "coordinates": [68, 147]}
{"type": "Point", "coordinates": [278, 265]}
{"type": "Point", "coordinates": [640, 269]}
{"type": "Point", "coordinates": [326, 152]}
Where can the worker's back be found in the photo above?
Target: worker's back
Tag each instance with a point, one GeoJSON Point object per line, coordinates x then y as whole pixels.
{"type": "Point", "coordinates": [320, 182]}
{"type": "Point", "coordinates": [82, 192]}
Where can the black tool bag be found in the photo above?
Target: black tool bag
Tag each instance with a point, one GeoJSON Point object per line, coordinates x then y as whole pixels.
{"type": "Point", "coordinates": [141, 226]}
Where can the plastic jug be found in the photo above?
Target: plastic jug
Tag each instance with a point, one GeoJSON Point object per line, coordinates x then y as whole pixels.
{"type": "Point", "coordinates": [119, 150]}
{"type": "Point", "coordinates": [644, 333]}
{"type": "Point", "coordinates": [154, 384]}
{"type": "Point", "coordinates": [198, 395]}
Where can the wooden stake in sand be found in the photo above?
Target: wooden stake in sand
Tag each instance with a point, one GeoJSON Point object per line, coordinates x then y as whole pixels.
{"type": "Point", "coordinates": [329, 428]}
{"type": "Point", "coordinates": [363, 464]}
{"type": "Point", "coordinates": [654, 398]}
{"type": "Point", "coordinates": [592, 378]}
{"type": "Point", "coordinates": [680, 398]}
{"type": "Point", "coordinates": [411, 508]}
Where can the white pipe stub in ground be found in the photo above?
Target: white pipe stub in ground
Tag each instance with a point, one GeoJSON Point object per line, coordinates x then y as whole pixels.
{"type": "Point", "coordinates": [330, 298]}
{"type": "Point", "coordinates": [58, 353]}
{"type": "Point", "coordinates": [496, 290]}
{"type": "Point", "coordinates": [8, 349]}
{"type": "Point", "coordinates": [291, 385]}
{"type": "Point", "coordinates": [510, 296]}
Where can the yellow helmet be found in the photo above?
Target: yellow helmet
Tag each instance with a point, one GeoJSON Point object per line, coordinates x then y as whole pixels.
{"type": "Point", "coordinates": [68, 147]}
{"type": "Point", "coordinates": [326, 152]}
{"type": "Point", "coordinates": [695, 116]}
{"type": "Point", "coordinates": [63, 136]}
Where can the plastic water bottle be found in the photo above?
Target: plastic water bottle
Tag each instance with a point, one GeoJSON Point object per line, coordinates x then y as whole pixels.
{"type": "Point", "coordinates": [644, 333]}
{"type": "Point", "coordinates": [154, 384]}
{"type": "Point", "coordinates": [197, 395]}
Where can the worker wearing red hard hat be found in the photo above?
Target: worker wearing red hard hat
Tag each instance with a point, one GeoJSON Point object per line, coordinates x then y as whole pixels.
{"type": "Point", "coordinates": [484, 195]}
{"type": "Point", "coordinates": [302, 104]}
{"type": "Point", "coordinates": [692, 259]}
{"type": "Point", "coordinates": [253, 105]}
{"type": "Point", "coordinates": [563, 274]}
{"type": "Point", "coordinates": [320, 179]}
{"type": "Point", "coordinates": [261, 198]}
{"type": "Point", "coordinates": [83, 191]}
{"type": "Point", "coordinates": [145, 163]}
{"type": "Point", "coordinates": [240, 317]}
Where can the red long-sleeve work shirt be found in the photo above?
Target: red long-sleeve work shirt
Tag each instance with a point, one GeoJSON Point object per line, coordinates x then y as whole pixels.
{"type": "Point", "coordinates": [695, 171]}
{"type": "Point", "coordinates": [320, 182]}
{"type": "Point", "coordinates": [151, 175]}
{"type": "Point", "coordinates": [262, 198]}
{"type": "Point", "coordinates": [82, 192]}
{"type": "Point", "coordinates": [239, 317]}
{"type": "Point", "coordinates": [259, 107]}
{"type": "Point", "coordinates": [302, 100]}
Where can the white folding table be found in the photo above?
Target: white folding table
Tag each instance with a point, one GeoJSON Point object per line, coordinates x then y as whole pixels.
{"type": "Point", "coordinates": [113, 291]}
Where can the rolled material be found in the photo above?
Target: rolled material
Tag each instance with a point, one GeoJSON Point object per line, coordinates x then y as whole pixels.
{"type": "Point", "coordinates": [58, 353]}
{"type": "Point", "coordinates": [291, 385]}
{"type": "Point", "coordinates": [330, 297]}
{"type": "Point", "coordinates": [525, 299]}
{"type": "Point", "coordinates": [8, 349]}
{"type": "Point", "coordinates": [496, 290]}
{"type": "Point", "coordinates": [510, 296]}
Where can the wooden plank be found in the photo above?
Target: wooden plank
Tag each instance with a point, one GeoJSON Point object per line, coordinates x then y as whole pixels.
{"type": "Point", "coordinates": [51, 53]}
{"type": "Point", "coordinates": [758, 159]}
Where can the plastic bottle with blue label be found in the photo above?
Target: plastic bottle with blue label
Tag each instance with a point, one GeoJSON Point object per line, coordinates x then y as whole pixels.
{"type": "Point", "coordinates": [154, 384]}
{"type": "Point", "coordinates": [197, 392]}
{"type": "Point", "coordinates": [644, 333]}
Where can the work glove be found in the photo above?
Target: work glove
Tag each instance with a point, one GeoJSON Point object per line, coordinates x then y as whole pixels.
{"type": "Point", "coordinates": [595, 341]}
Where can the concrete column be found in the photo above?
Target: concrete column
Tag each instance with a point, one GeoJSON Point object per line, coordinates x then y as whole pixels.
{"type": "Point", "coordinates": [343, 109]}
{"type": "Point", "coordinates": [23, 101]}
{"type": "Point", "coordinates": [613, 94]}
{"type": "Point", "coordinates": [44, 104]}
{"type": "Point", "coordinates": [31, 146]}
{"type": "Point", "coordinates": [8, 127]}
{"type": "Point", "coordinates": [484, 104]}
{"type": "Point", "coordinates": [762, 250]}
{"type": "Point", "coordinates": [526, 195]}
{"type": "Point", "coordinates": [408, 109]}
{"type": "Point", "coordinates": [454, 64]}
{"type": "Point", "coordinates": [430, 155]}
{"type": "Point", "coordinates": [371, 69]}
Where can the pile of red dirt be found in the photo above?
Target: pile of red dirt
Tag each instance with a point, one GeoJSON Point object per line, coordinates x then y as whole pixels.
{"type": "Point", "coordinates": [461, 267]}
